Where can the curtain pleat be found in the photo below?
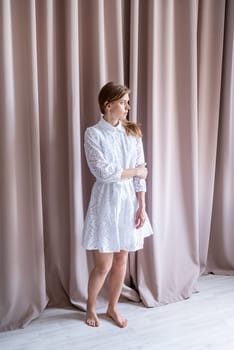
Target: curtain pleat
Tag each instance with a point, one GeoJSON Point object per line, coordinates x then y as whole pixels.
{"type": "Point", "coordinates": [210, 56]}
{"type": "Point", "coordinates": [167, 86]}
{"type": "Point", "coordinates": [221, 243]}
{"type": "Point", "coordinates": [78, 278]}
{"type": "Point", "coordinates": [177, 57]}
{"type": "Point", "coordinates": [23, 290]}
{"type": "Point", "coordinates": [54, 146]}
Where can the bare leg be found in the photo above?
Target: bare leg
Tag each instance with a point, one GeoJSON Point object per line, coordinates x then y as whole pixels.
{"type": "Point", "coordinates": [97, 277]}
{"type": "Point", "coordinates": [116, 280]}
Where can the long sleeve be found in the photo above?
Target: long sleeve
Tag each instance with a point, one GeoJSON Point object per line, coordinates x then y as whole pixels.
{"type": "Point", "coordinates": [101, 168]}
{"type": "Point", "coordinates": [139, 184]}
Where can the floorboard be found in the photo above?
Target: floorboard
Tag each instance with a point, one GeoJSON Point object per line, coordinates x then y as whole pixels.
{"type": "Point", "coordinates": [203, 322]}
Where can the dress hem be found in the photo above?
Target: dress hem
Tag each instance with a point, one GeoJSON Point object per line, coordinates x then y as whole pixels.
{"type": "Point", "coordinates": [119, 250]}
{"type": "Point", "coordinates": [114, 251]}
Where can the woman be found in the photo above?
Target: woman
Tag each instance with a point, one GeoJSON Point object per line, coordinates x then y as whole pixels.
{"type": "Point", "coordinates": [116, 220]}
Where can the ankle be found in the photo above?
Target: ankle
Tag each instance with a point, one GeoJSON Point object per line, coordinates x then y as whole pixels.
{"type": "Point", "coordinates": [111, 308]}
{"type": "Point", "coordinates": [91, 307]}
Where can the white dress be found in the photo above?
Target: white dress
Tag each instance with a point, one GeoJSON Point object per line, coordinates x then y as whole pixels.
{"type": "Point", "coordinates": [109, 224]}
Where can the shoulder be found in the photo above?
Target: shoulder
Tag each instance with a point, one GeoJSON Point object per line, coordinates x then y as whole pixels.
{"type": "Point", "coordinates": [93, 132]}
{"type": "Point", "coordinates": [138, 139]}
{"type": "Point", "coordinates": [139, 142]}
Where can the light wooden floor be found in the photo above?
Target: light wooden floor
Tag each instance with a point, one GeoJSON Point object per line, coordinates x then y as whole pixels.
{"type": "Point", "coordinates": [203, 322]}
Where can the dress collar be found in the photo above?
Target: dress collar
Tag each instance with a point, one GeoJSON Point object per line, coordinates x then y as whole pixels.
{"type": "Point", "coordinates": [105, 125]}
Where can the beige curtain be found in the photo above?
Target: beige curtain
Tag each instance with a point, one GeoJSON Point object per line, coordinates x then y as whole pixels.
{"type": "Point", "coordinates": [177, 56]}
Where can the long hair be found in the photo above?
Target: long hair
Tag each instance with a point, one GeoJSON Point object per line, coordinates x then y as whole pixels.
{"type": "Point", "coordinates": [113, 92]}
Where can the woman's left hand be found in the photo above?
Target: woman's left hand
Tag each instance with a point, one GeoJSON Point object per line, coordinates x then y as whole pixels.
{"type": "Point", "coordinates": [140, 217]}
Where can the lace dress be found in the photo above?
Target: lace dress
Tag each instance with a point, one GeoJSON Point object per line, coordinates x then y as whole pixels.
{"type": "Point", "coordinates": [109, 224]}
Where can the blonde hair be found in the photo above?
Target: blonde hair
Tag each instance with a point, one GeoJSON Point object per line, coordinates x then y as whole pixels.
{"type": "Point", "coordinates": [111, 92]}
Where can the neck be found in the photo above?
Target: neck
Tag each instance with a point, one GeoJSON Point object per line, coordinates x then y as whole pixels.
{"type": "Point", "coordinates": [113, 121]}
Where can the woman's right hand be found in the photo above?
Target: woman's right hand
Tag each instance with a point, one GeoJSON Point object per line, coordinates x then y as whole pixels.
{"type": "Point", "coordinates": [142, 171]}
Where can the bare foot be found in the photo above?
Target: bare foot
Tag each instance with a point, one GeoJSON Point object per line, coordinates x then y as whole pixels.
{"type": "Point", "coordinates": [117, 318]}
{"type": "Point", "coordinates": [91, 319]}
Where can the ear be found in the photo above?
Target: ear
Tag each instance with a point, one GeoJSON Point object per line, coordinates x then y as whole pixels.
{"type": "Point", "coordinates": [107, 104]}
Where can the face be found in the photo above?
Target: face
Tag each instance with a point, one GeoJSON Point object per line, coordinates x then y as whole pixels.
{"type": "Point", "coordinates": [119, 109]}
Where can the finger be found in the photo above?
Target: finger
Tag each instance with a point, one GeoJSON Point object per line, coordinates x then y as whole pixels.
{"type": "Point", "coordinates": [140, 222]}
{"type": "Point", "coordinates": [141, 165]}
{"type": "Point", "coordinates": [137, 222]}
{"type": "Point", "coordinates": [138, 225]}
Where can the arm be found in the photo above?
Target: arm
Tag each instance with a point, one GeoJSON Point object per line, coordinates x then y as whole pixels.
{"type": "Point", "coordinates": [140, 171]}
{"type": "Point", "coordinates": [139, 182]}
{"type": "Point", "coordinates": [140, 187]}
{"type": "Point", "coordinates": [102, 169]}
{"type": "Point", "coordinates": [140, 213]}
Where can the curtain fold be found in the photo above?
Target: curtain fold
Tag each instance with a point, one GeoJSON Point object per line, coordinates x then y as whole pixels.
{"type": "Point", "coordinates": [170, 84]}
{"type": "Point", "coordinates": [51, 31]}
{"type": "Point", "coordinates": [78, 278]}
{"type": "Point", "coordinates": [177, 57]}
{"type": "Point", "coordinates": [23, 290]}
{"type": "Point", "coordinates": [221, 243]}
{"type": "Point", "coordinates": [210, 62]}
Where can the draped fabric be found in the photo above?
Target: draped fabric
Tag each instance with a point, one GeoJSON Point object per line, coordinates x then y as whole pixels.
{"type": "Point", "coordinates": [177, 57]}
